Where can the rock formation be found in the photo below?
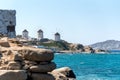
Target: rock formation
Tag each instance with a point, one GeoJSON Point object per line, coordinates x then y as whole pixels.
{"type": "Point", "coordinates": [76, 47]}
{"type": "Point", "coordinates": [19, 62]}
{"type": "Point", "coordinates": [63, 73]}
{"type": "Point", "coordinates": [88, 49]}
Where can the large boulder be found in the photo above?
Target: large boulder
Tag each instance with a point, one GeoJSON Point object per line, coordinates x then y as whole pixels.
{"type": "Point", "coordinates": [10, 55]}
{"type": "Point", "coordinates": [76, 47]}
{"type": "Point", "coordinates": [100, 51]}
{"type": "Point", "coordinates": [14, 42]}
{"type": "Point", "coordinates": [64, 73]}
{"type": "Point", "coordinates": [35, 54]}
{"type": "Point", "coordinates": [43, 68]}
{"type": "Point", "coordinates": [88, 49]}
{"type": "Point", "coordinates": [13, 75]}
{"type": "Point", "coordinates": [31, 54]}
{"type": "Point", "coordinates": [14, 65]}
{"type": "Point", "coordinates": [10, 65]}
{"type": "Point", "coordinates": [4, 44]}
{"type": "Point", "coordinates": [39, 76]}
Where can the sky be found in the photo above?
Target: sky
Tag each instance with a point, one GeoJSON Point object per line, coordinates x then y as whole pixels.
{"type": "Point", "coordinates": [78, 21]}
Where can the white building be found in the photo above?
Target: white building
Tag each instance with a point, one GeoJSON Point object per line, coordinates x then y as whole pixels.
{"type": "Point", "coordinates": [40, 34]}
{"type": "Point", "coordinates": [25, 34]}
{"type": "Point", "coordinates": [8, 23]}
{"type": "Point", "coordinates": [57, 37]}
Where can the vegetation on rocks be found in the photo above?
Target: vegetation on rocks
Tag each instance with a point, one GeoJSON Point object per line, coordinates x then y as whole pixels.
{"type": "Point", "coordinates": [63, 46]}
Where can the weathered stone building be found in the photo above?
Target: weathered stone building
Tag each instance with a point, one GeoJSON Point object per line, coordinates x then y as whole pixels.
{"type": "Point", "coordinates": [8, 23]}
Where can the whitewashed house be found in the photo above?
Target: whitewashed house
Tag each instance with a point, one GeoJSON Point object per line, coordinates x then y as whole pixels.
{"type": "Point", "coordinates": [40, 34]}
{"type": "Point", "coordinates": [25, 34]}
{"type": "Point", "coordinates": [57, 37]}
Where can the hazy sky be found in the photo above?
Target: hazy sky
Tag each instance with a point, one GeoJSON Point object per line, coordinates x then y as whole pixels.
{"type": "Point", "coordinates": [78, 21]}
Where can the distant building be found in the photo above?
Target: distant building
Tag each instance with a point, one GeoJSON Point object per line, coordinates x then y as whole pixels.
{"type": "Point", "coordinates": [25, 34]}
{"type": "Point", "coordinates": [40, 34]}
{"type": "Point", "coordinates": [57, 37]}
{"type": "Point", "coordinates": [8, 23]}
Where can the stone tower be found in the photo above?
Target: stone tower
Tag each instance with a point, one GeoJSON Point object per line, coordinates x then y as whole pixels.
{"type": "Point", "coordinates": [57, 37]}
{"type": "Point", "coordinates": [25, 34]}
{"type": "Point", "coordinates": [8, 23]}
{"type": "Point", "coordinates": [40, 34]}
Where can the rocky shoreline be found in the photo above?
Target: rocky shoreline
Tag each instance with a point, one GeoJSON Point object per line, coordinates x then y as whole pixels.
{"type": "Point", "coordinates": [19, 62]}
{"type": "Point", "coordinates": [77, 52]}
{"type": "Point", "coordinates": [74, 52]}
{"type": "Point", "coordinates": [63, 46]}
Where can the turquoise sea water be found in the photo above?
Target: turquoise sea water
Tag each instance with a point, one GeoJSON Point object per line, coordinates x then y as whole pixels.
{"type": "Point", "coordinates": [91, 66]}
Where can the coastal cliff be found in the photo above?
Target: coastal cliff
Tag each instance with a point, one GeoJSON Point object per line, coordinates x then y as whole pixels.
{"type": "Point", "coordinates": [20, 62]}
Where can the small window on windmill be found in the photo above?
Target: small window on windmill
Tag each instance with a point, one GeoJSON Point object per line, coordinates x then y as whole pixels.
{"type": "Point", "coordinates": [10, 28]}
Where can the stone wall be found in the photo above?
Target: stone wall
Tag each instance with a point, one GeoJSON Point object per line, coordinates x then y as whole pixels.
{"type": "Point", "coordinates": [19, 62]}
{"type": "Point", "coordinates": [8, 22]}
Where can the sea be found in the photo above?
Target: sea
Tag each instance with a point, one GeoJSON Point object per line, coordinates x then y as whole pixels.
{"type": "Point", "coordinates": [91, 66]}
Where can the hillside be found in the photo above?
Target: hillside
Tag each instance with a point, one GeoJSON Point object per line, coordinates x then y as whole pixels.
{"type": "Point", "coordinates": [63, 46]}
{"type": "Point", "coordinates": [53, 44]}
{"type": "Point", "coordinates": [107, 45]}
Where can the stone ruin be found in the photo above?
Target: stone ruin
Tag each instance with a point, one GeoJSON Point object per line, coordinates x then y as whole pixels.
{"type": "Point", "coordinates": [19, 62]}
{"type": "Point", "coordinates": [8, 23]}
